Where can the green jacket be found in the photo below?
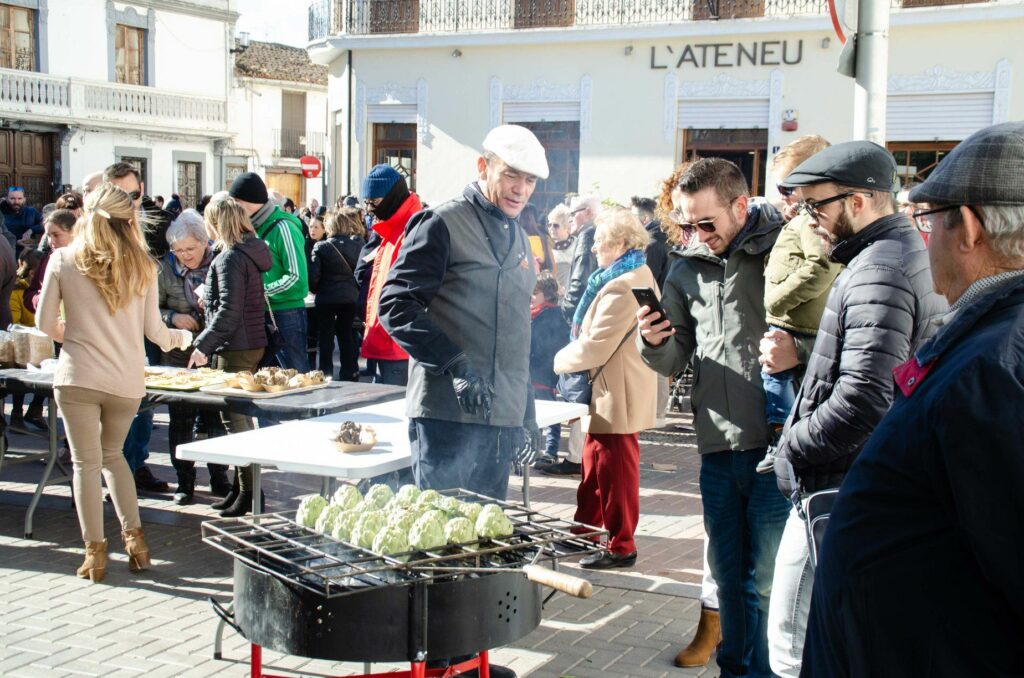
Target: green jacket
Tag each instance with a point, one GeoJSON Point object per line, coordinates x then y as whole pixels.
{"type": "Point", "coordinates": [798, 278]}
{"type": "Point", "coordinates": [717, 309]}
{"type": "Point", "coordinates": [287, 281]}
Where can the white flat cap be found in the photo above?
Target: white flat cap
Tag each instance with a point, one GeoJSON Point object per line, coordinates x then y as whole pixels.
{"type": "Point", "coordinates": [519, 148]}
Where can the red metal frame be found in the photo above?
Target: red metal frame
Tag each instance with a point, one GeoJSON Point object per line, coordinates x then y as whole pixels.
{"type": "Point", "coordinates": [416, 669]}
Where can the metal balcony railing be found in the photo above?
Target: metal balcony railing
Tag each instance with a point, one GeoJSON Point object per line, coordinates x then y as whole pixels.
{"type": "Point", "coordinates": [295, 143]}
{"type": "Point", "coordinates": [381, 17]}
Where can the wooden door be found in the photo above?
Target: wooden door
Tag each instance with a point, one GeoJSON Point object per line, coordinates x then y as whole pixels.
{"type": "Point", "coordinates": [288, 185]}
{"type": "Point", "coordinates": [727, 9]}
{"type": "Point", "coordinates": [545, 13]}
{"type": "Point", "coordinates": [394, 16]}
{"type": "Point", "coordinates": [747, 148]}
{"type": "Point", "coordinates": [26, 160]}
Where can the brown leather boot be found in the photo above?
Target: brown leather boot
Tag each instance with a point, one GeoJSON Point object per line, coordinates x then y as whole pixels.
{"type": "Point", "coordinates": [707, 638]}
{"type": "Point", "coordinates": [94, 567]}
{"type": "Point", "coordinates": [138, 552]}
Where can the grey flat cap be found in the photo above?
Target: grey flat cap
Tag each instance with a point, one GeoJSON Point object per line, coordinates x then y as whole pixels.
{"type": "Point", "coordinates": [987, 168]}
{"type": "Point", "coordinates": [861, 164]}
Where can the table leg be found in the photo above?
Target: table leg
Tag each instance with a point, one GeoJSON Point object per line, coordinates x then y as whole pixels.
{"type": "Point", "coordinates": [256, 490]}
{"type": "Point", "coordinates": [526, 485]}
{"type": "Point", "coordinates": [327, 487]}
{"type": "Point", "coordinates": [51, 420]}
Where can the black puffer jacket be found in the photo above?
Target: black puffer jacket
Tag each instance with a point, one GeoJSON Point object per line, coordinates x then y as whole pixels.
{"type": "Point", "coordinates": [331, 271]}
{"type": "Point", "coordinates": [234, 298]}
{"type": "Point", "coordinates": [549, 333]}
{"type": "Point", "coordinates": [584, 262]}
{"type": "Point", "coordinates": [880, 309]}
{"type": "Point", "coordinates": [657, 253]}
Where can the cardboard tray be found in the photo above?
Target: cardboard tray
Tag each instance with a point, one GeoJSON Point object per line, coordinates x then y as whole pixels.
{"type": "Point", "coordinates": [224, 390]}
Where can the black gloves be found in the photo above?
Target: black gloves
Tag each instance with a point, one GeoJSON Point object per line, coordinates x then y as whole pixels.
{"type": "Point", "coordinates": [473, 393]}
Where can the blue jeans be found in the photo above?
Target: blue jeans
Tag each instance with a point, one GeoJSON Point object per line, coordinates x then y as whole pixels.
{"type": "Point", "coordinates": [779, 395]}
{"type": "Point", "coordinates": [475, 457]}
{"type": "Point", "coordinates": [744, 515]}
{"type": "Point", "coordinates": [136, 445]}
{"type": "Point", "coordinates": [292, 324]}
{"type": "Point", "coordinates": [553, 433]}
{"type": "Point", "coordinates": [393, 372]}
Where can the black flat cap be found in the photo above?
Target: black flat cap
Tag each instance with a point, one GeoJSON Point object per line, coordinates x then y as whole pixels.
{"type": "Point", "coordinates": [861, 164]}
{"type": "Point", "coordinates": [987, 168]}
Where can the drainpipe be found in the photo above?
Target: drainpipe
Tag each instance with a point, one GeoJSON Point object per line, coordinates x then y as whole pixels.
{"type": "Point", "coordinates": [349, 135]}
{"type": "Point", "coordinates": [873, 64]}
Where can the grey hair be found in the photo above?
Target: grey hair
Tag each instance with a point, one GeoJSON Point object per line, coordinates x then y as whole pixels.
{"type": "Point", "coordinates": [559, 215]}
{"type": "Point", "coordinates": [1005, 227]}
{"type": "Point", "coordinates": [590, 202]}
{"type": "Point", "coordinates": [189, 224]}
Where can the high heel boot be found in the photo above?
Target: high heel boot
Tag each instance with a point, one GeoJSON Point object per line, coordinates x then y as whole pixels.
{"type": "Point", "coordinates": [95, 565]}
{"type": "Point", "coordinates": [242, 505]}
{"type": "Point", "coordinates": [230, 497]}
{"type": "Point", "coordinates": [138, 551]}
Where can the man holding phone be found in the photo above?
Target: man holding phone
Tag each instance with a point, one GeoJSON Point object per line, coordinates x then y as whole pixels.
{"type": "Point", "coordinates": [714, 302]}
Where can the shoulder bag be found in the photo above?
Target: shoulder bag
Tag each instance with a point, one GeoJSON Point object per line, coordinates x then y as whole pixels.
{"type": "Point", "coordinates": [578, 387]}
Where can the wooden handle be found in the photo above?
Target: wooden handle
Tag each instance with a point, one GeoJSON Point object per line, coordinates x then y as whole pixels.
{"type": "Point", "coordinates": [566, 583]}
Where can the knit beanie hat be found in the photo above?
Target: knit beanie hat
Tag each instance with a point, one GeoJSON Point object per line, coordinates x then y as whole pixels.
{"type": "Point", "coordinates": [248, 186]}
{"type": "Point", "coordinates": [379, 181]}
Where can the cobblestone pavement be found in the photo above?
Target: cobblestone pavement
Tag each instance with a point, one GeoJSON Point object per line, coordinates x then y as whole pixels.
{"type": "Point", "coordinates": [159, 623]}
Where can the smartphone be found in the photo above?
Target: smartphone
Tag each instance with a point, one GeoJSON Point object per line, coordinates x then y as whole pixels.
{"type": "Point", "coordinates": [645, 296]}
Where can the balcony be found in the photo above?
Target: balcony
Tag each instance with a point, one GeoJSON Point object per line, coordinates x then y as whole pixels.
{"type": "Point", "coordinates": [73, 101]}
{"type": "Point", "coordinates": [295, 143]}
{"type": "Point", "coordinates": [379, 17]}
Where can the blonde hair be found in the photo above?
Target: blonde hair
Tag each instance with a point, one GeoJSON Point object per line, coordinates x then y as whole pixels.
{"type": "Point", "coordinates": [796, 151]}
{"type": "Point", "coordinates": [226, 221]}
{"type": "Point", "coordinates": [109, 248]}
{"type": "Point", "coordinates": [343, 221]}
{"type": "Point", "coordinates": [620, 225]}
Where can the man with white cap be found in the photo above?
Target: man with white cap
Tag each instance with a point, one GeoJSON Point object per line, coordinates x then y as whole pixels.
{"type": "Point", "coordinates": [457, 301]}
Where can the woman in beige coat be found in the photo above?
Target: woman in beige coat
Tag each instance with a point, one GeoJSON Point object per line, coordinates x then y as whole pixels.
{"type": "Point", "coordinates": [624, 394]}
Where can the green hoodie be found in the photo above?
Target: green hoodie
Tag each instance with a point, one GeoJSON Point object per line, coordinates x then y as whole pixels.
{"type": "Point", "coordinates": [287, 282]}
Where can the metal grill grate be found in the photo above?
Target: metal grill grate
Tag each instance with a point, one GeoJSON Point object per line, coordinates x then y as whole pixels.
{"type": "Point", "coordinates": [276, 544]}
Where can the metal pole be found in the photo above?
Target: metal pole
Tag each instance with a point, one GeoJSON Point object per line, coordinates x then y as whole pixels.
{"type": "Point", "coordinates": [873, 65]}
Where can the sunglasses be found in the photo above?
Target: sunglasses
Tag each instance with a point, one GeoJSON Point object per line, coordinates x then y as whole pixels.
{"type": "Point", "coordinates": [785, 191]}
{"type": "Point", "coordinates": [15, 188]}
{"type": "Point", "coordinates": [706, 225]}
{"type": "Point", "coordinates": [135, 195]}
{"type": "Point", "coordinates": [812, 207]}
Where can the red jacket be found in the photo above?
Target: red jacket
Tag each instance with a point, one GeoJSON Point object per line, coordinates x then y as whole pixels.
{"type": "Point", "coordinates": [377, 343]}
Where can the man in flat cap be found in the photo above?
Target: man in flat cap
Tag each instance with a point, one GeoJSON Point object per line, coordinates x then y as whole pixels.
{"type": "Point", "coordinates": [880, 308]}
{"type": "Point", "coordinates": [920, 571]}
{"type": "Point", "coordinates": [457, 301]}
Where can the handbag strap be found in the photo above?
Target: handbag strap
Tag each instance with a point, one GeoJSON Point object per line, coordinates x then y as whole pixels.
{"type": "Point", "coordinates": [601, 369]}
{"type": "Point", "coordinates": [270, 310]}
{"type": "Point", "coordinates": [340, 255]}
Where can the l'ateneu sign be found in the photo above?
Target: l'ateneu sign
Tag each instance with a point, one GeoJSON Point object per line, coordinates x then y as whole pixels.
{"type": "Point", "coordinates": [729, 54]}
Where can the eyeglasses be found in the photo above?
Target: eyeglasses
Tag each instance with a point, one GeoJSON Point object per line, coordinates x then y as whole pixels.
{"type": "Point", "coordinates": [577, 210]}
{"type": "Point", "coordinates": [551, 226]}
{"type": "Point", "coordinates": [785, 191]}
{"type": "Point", "coordinates": [812, 208]}
{"type": "Point", "coordinates": [923, 218]}
{"type": "Point", "coordinates": [706, 225]}
{"type": "Point", "coordinates": [372, 202]}
{"type": "Point", "coordinates": [186, 250]}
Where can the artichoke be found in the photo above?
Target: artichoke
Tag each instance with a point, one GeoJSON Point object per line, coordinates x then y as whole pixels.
{"type": "Point", "coordinates": [347, 496]}
{"type": "Point", "coordinates": [459, 531]}
{"type": "Point", "coordinates": [426, 533]}
{"type": "Point", "coordinates": [492, 522]}
{"type": "Point", "coordinates": [391, 540]}
{"type": "Point", "coordinates": [343, 524]}
{"type": "Point", "coordinates": [448, 505]}
{"type": "Point", "coordinates": [402, 519]}
{"type": "Point", "coordinates": [325, 522]}
{"type": "Point", "coordinates": [309, 510]}
{"type": "Point", "coordinates": [366, 528]}
{"type": "Point", "coordinates": [470, 509]}
{"type": "Point", "coordinates": [379, 495]}
{"type": "Point", "coordinates": [407, 495]}
{"type": "Point", "coordinates": [428, 498]}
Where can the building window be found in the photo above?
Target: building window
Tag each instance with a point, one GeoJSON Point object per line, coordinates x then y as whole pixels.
{"type": "Point", "coordinates": [545, 13]}
{"type": "Point", "coordinates": [746, 148]}
{"type": "Point", "coordinates": [395, 144]}
{"type": "Point", "coordinates": [561, 142]}
{"type": "Point", "coordinates": [291, 142]}
{"type": "Point", "coordinates": [232, 170]}
{"type": "Point", "coordinates": [141, 166]}
{"type": "Point", "coordinates": [17, 38]}
{"type": "Point", "coordinates": [727, 9]}
{"type": "Point", "coordinates": [188, 182]}
{"type": "Point", "coordinates": [130, 55]}
{"type": "Point", "coordinates": [916, 160]}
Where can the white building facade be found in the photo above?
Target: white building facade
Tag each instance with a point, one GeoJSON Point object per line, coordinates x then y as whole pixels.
{"type": "Point", "coordinates": [91, 82]}
{"type": "Point", "coordinates": [621, 91]}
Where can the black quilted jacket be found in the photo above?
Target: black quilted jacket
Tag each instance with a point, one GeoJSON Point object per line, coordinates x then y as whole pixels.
{"type": "Point", "coordinates": [880, 309]}
{"type": "Point", "coordinates": [234, 299]}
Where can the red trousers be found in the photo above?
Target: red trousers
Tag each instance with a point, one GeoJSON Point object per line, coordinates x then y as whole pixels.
{"type": "Point", "coordinates": [609, 494]}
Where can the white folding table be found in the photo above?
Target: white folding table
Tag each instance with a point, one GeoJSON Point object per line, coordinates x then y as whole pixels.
{"type": "Point", "coordinates": [306, 446]}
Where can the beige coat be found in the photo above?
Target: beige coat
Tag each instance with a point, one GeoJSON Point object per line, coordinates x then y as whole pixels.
{"type": "Point", "coordinates": [624, 398]}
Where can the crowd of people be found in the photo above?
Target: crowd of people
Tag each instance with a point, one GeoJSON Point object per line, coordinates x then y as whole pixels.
{"type": "Point", "coordinates": [840, 343]}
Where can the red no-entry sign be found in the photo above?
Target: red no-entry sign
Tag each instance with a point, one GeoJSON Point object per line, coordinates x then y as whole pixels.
{"type": "Point", "coordinates": [310, 165]}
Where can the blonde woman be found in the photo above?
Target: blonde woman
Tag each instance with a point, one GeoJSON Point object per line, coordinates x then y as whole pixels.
{"type": "Point", "coordinates": [105, 283]}
{"type": "Point", "coordinates": [235, 335]}
{"type": "Point", "coordinates": [623, 399]}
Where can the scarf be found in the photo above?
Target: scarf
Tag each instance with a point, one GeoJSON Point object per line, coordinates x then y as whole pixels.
{"type": "Point", "coordinates": [536, 310]}
{"type": "Point", "coordinates": [192, 278]}
{"type": "Point", "coordinates": [631, 260]}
